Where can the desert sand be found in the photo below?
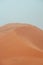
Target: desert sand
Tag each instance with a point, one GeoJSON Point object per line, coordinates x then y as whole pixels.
{"type": "Point", "coordinates": [21, 44]}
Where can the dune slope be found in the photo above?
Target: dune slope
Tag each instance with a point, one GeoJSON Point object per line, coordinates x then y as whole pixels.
{"type": "Point", "coordinates": [31, 33]}
{"type": "Point", "coordinates": [21, 44]}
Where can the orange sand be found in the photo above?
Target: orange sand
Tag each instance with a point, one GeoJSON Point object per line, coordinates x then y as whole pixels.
{"type": "Point", "coordinates": [21, 44]}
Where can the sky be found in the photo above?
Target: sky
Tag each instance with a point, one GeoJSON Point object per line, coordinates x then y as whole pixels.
{"type": "Point", "coordinates": [21, 11]}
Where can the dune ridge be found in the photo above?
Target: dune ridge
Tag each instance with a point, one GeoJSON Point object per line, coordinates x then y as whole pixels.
{"type": "Point", "coordinates": [13, 25]}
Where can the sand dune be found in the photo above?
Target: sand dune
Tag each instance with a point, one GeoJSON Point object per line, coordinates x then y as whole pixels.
{"type": "Point", "coordinates": [21, 44]}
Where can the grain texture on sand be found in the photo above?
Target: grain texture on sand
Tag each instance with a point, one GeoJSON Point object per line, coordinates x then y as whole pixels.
{"type": "Point", "coordinates": [21, 44]}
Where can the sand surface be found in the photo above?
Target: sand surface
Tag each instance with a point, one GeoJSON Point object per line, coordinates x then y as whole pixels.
{"type": "Point", "coordinates": [21, 44]}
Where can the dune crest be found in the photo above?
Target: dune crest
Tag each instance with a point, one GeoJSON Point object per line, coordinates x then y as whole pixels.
{"type": "Point", "coordinates": [21, 44]}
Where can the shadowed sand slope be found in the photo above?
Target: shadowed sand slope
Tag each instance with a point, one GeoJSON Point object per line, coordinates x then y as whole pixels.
{"type": "Point", "coordinates": [21, 44]}
{"type": "Point", "coordinates": [33, 34]}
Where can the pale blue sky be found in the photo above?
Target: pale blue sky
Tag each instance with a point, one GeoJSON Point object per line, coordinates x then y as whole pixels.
{"type": "Point", "coordinates": [22, 11]}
